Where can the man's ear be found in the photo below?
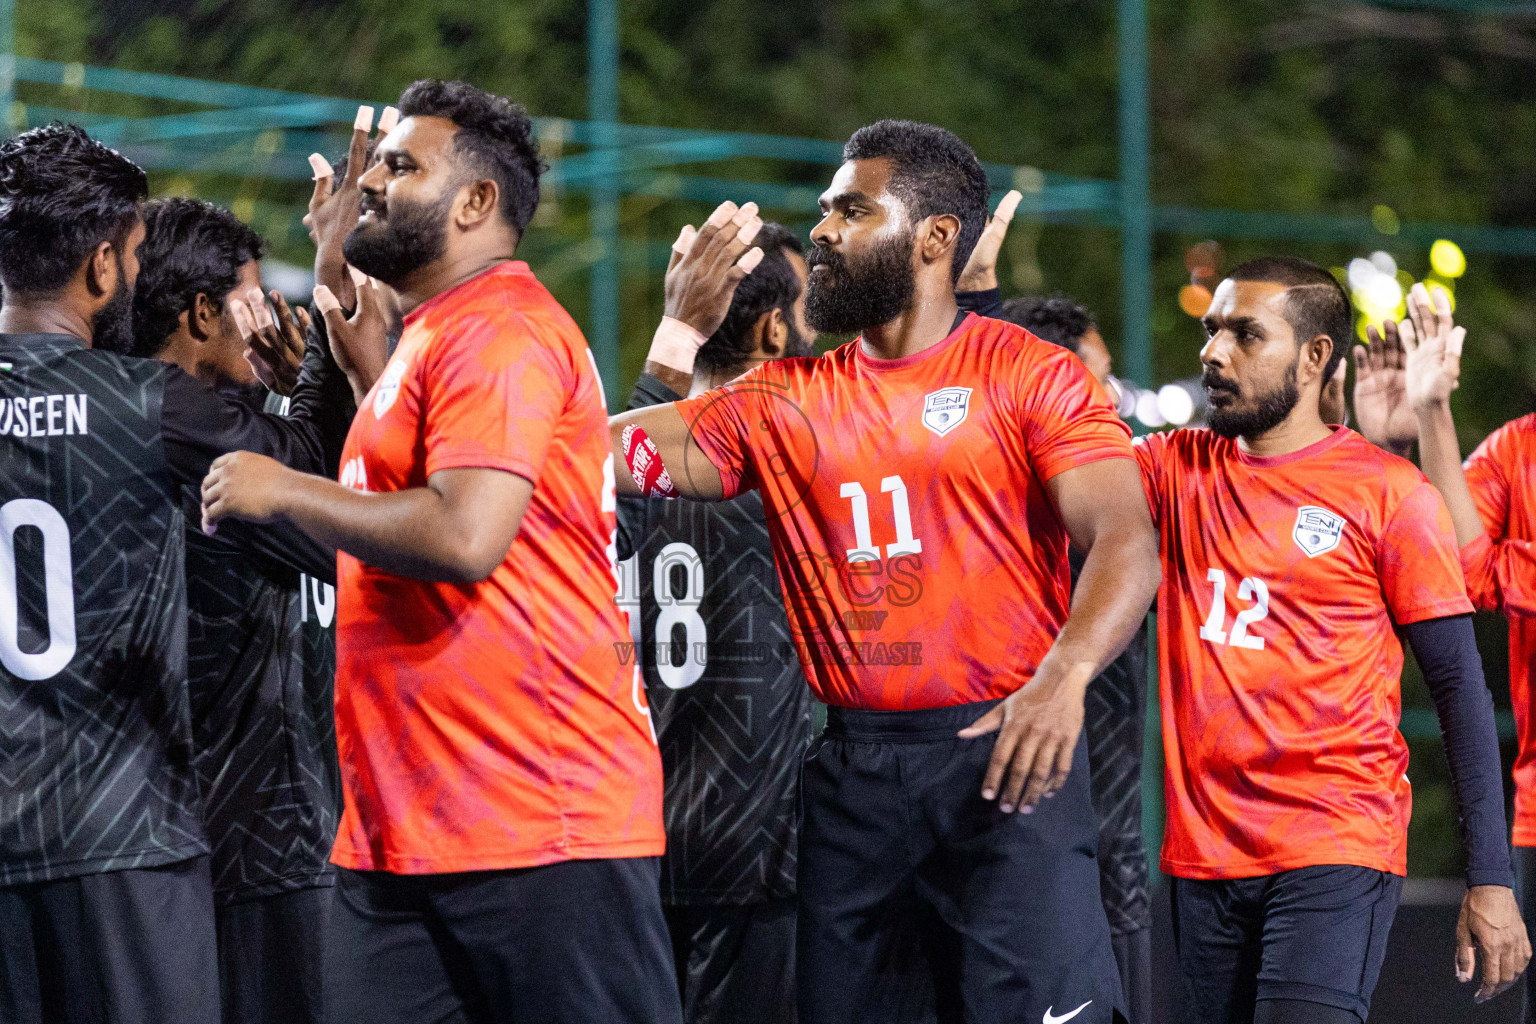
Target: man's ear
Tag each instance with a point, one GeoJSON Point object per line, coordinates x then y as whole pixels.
{"type": "Point", "coordinates": [1316, 355]}
{"type": "Point", "coordinates": [202, 317]}
{"type": "Point", "coordinates": [940, 235]}
{"type": "Point", "coordinates": [477, 204]}
{"type": "Point", "coordinates": [103, 270]}
{"type": "Point", "coordinates": [770, 334]}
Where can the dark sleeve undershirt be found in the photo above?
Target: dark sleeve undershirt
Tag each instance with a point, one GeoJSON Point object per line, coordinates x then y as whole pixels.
{"type": "Point", "coordinates": [648, 391]}
{"type": "Point", "coordinates": [1446, 650]}
{"type": "Point", "coordinates": [983, 303]}
{"type": "Point", "coordinates": [198, 425]}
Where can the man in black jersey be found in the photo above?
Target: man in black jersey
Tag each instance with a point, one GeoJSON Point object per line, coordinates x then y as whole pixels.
{"type": "Point", "coordinates": [731, 707]}
{"type": "Point", "coordinates": [106, 908]}
{"type": "Point", "coordinates": [1115, 706]}
{"type": "Point", "coordinates": [260, 651]}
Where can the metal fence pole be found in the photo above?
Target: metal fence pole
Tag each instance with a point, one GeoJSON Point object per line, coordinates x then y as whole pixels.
{"type": "Point", "coordinates": [603, 112]}
{"type": "Point", "coordinates": [1135, 193]}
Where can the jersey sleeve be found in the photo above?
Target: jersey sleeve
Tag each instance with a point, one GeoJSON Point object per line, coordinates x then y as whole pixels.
{"type": "Point", "coordinates": [494, 391]}
{"type": "Point", "coordinates": [1500, 573]}
{"type": "Point", "coordinates": [1417, 561]}
{"type": "Point", "coordinates": [1150, 451]}
{"type": "Point", "coordinates": [718, 421]}
{"type": "Point", "coordinates": [1068, 419]}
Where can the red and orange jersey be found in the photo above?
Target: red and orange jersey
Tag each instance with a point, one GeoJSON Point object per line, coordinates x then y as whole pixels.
{"type": "Point", "coordinates": [1501, 576]}
{"type": "Point", "coordinates": [922, 562]}
{"type": "Point", "coordinates": [1280, 669]}
{"type": "Point", "coordinates": [491, 725]}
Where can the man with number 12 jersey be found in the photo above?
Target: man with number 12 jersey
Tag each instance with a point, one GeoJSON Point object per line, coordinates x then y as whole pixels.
{"type": "Point", "coordinates": [1297, 558]}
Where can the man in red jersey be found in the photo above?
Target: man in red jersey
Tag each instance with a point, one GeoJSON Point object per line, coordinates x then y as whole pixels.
{"type": "Point", "coordinates": [502, 788]}
{"type": "Point", "coordinates": [1295, 556]}
{"type": "Point", "coordinates": [1403, 386]}
{"type": "Point", "coordinates": [922, 485]}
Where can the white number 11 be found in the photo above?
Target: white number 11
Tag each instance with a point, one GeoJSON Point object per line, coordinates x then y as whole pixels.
{"type": "Point", "coordinates": [864, 549]}
{"type": "Point", "coordinates": [1251, 589]}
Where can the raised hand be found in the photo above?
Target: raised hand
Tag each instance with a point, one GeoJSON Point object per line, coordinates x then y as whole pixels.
{"type": "Point", "coordinates": [273, 347]}
{"type": "Point", "coordinates": [333, 209]}
{"type": "Point", "coordinates": [1381, 401]}
{"type": "Point", "coordinates": [1432, 349]}
{"type": "Point", "coordinates": [708, 264]}
{"type": "Point", "coordinates": [359, 343]}
{"type": "Point", "coordinates": [980, 273]}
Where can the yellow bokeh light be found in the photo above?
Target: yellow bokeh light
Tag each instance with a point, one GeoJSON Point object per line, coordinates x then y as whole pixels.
{"type": "Point", "coordinates": [1384, 219]}
{"type": "Point", "coordinates": [1447, 258]}
{"type": "Point", "coordinates": [1444, 287]}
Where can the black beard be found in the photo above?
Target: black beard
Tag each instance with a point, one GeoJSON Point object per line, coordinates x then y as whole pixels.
{"type": "Point", "coordinates": [404, 240]}
{"type": "Point", "coordinates": [794, 342]}
{"type": "Point", "coordinates": [1265, 416]}
{"type": "Point", "coordinates": [847, 298]}
{"type": "Point", "coordinates": [112, 325]}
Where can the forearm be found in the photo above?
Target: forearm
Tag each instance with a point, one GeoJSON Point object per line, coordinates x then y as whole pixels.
{"type": "Point", "coordinates": [1440, 458]}
{"type": "Point", "coordinates": [1447, 653]}
{"type": "Point", "coordinates": [689, 470]}
{"type": "Point", "coordinates": [408, 533]}
{"type": "Point", "coordinates": [1118, 582]}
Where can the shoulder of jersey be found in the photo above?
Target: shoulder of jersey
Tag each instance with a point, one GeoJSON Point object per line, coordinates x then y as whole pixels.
{"type": "Point", "coordinates": [1519, 432]}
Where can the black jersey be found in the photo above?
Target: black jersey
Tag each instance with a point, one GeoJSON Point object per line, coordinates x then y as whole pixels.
{"type": "Point", "coordinates": [731, 707]}
{"type": "Point", "coordinates": [261, 662]}
{"type": "Point", "coordinates": [96, 742]}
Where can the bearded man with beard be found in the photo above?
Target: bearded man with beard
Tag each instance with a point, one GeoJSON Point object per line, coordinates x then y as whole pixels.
{"type": "Point", "coordinates": [106, 907]}
{"type": "Point", "coordinates": [1296, 558]}
{"type": "Point", "coordinates": [499, 843]}
{"type": "Point", "coordinates": [922, 484]}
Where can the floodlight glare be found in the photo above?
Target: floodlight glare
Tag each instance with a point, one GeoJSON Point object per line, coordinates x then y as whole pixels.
{"type": "Point", "coordinates": [1147, 411]}
{"type": "Point", "coordinates": [1175, 404]}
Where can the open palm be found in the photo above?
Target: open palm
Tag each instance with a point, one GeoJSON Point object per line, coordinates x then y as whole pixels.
{"type": "Point", "coordinates": [1382, 409]}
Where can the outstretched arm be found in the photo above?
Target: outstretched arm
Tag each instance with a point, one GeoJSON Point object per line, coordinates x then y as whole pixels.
{"type": "Point", "coordinates": [1431, 345]}
{"type": "Point", "coordinates": [457, 529]}
{"type": "Point", "coordinates": [1104, 509]}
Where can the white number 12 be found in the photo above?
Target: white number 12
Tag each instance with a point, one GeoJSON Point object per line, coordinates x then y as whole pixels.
{"type": "Point", "coordinates": [1251, 589]}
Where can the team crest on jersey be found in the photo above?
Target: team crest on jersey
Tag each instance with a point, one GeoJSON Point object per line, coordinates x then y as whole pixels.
{"type": "Point", "coordinates": [389, 387]}
{"type": "Point", "coordinates": [1318, 530]}
{"type": "Point", "coordinates": [945, 409]}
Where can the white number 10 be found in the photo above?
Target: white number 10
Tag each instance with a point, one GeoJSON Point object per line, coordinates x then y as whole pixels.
{"type": "Point", "coordinates": [1251, 589]}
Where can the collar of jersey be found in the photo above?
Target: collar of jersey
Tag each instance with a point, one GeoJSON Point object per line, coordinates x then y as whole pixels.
{"type": "Point", "coordinates": [876, 363]}
{"type": "Point", "coordinates": [33, 342]}
{"type": "Point", "coordinates": [509, 267]}
{"type": "Point", "coordinates": [1271, 461]}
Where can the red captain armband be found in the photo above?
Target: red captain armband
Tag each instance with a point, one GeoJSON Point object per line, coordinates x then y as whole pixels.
{"type": "Point", "coordinates": [645, 464]}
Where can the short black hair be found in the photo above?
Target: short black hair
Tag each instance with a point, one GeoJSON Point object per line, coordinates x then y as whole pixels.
{"type": "Point", "coordinates": [1315, 302]}
{"type": "Point", "coordinates": [1053, 318]}
{"type": "Point", "coordinates": [62, 194]}
{"type": "Point", "coordinates": [190, 247]}
{"type": "Point", "coordinates": [773, 285]}
{"type": "Point", "coordinates": [494, 132]}
{"type": "Point", "coordinates": [934, 172]}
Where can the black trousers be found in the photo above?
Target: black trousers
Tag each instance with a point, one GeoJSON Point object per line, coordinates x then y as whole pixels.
{"type": "Point", "coordinates": [919, 900]}
{"type": "Point", "coordinates": [1525, 891]}
{"type": "Point", "coordinates": [120, 947]}
{"type": "Point", "coordinates": [735, 963]}
{"type": "Point", "coordinates": [1311, 935]}
{"type": "Point", "coordinates": [272, 957]}
{"type": "Point", "coordinates": [578, 942]}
